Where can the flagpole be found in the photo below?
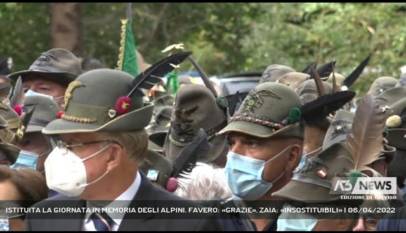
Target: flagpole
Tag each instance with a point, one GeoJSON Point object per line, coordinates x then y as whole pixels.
{"type": "Point", "coordinates": [129, 11]}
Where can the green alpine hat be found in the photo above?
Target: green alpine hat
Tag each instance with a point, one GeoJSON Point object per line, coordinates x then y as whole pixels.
{"type": "Point", "coordinates": [382, 84]}
{"type": "Point", "coordinates": [274, 72]}
{"type": "Point", "coordinates": [196, 107]}
{"type": "Point", "coordinates": [93, 103]}
{"type": "Point", "coordinates": [395, 100]}
{"type": "Point", "coordinates": [307, 90]}
{"type": "Point", "coordinates": [339, 127]}
{"type": "Point", "coordinates": [269, 110]}
{"type": "Point", "coordinates": [110, 100]}
{"type": "Point", "coordinates": [12, 118]}
{"type": "Point", "coordinates": [161, 120]}
{"type": "Point", "coordinates": [159, 126]}
{"type": "Point", "coordinates": [58, 65]}
{"type": "Point", "coordinates": [312, 182]}
{"type": "Point", "coordinates": [45, 111]}
{"type": "Point", "coordinates": [293, 79]}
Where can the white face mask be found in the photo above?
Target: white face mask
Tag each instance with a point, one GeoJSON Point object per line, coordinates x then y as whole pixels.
{"type": "Point", "coordinates": [66, 173]}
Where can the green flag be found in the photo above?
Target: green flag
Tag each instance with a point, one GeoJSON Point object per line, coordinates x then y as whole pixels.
{"type": "Point", "coordinates": [127, 58]}
{"type": "Point", "coordinates": [173, 82]}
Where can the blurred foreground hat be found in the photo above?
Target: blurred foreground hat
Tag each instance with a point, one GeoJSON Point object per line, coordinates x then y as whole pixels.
{"type": "Point", "coordinates": [273, 72]}
{"type": "Point", "coordinates": [45, 111]}
{"type": "Point", "coordinates": [293, 79]}
{"type": "Point", "coordinates": [382, 84]}
{"type": "Point", "coordinates": [58, 65]}
{"type": "Point", "coordinates": [196, 108]}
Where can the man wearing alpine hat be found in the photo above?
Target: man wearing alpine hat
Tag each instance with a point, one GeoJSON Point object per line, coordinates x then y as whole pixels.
{"type": "Point", "coordinates": [100, 141]}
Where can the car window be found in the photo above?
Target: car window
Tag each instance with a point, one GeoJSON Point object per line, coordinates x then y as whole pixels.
{"type": "Point", "coordinates": [232, 87]}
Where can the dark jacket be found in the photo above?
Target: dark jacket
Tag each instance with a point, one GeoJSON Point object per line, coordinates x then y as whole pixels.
{"type": "Point", "coordinates": [393, 222]}
{"type": "Point", "coordinates": [150, 222]}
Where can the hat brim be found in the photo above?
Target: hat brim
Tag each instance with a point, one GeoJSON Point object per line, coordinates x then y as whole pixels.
{"type": "Point", "coordinates": [260, 131]}
{"type": "Point", "coordinates": [128, 122]}
{"type": "Point", "coordinates": [59, 77]}
{"type": "Point", "coordinates": [218, 146]}
{"type": "Point", "coordinates": [34, 129]}
{"type": "Point", "coordinates": [305, 192]}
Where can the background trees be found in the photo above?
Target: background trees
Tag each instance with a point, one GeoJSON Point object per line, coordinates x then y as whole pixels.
{"type": "Point", "coordinates": [225, 37]}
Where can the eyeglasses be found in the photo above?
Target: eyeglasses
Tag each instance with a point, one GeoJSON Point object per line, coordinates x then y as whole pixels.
{"type": "Point", "coordinates": [62, 144]}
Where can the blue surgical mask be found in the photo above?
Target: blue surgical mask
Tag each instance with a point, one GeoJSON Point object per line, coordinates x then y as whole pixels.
{"type": "Point", "coordinates": [4, 224]}
{"type": "Point", "coordinates": [298, 222]}
{"type": "Point", "coordinates": [34, 93]}
{"type": "Point", "coordinates": [306, 157]}
{"type": "Point", "coordinates": [26, 159]}
{"type": "Point", "coordinates": [244, 175]}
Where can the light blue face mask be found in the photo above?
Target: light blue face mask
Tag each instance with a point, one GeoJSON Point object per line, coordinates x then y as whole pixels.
{"type": "Point", "coordinates": [304, 158]}
{"type": "Point", "coordinates": [26, 159]}
{"type": "Point", "coordinates": [34, 93]}
{"type": "Point", "coordinates": [4, 224]}
{"type": "Point", "coordinates": [295, 222]}
{"type": "Point", "coordinates": [244, 175]}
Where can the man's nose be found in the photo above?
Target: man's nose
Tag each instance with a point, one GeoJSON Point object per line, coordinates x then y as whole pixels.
{"type": "Point", "coordinates": [237, 147]}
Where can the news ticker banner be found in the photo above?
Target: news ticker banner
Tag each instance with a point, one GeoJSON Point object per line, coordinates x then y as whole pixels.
{"type": "Point", "coordinates": [204, 209]}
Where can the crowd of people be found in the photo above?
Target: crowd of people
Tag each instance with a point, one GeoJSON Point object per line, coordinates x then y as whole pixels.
{"type": "Point", "coordinates": [76, 133]}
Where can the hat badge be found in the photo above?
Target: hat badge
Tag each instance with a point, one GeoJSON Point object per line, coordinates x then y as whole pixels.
{"type": "Point", "coordinates": [68, 94]}
{"type": "Point", "coordinates": [322, 173]}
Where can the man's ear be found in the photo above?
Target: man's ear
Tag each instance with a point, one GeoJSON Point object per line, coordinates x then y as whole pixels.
{"type": "Point", "coordinates": [116, 155]}
{"type": "Point", "coordinates": [294, 157]}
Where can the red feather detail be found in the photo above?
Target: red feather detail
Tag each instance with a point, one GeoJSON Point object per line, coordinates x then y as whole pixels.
{"type": "Point", "coordinates": [59, 114]}
{"type": "Point", "coordinates": [18, 108]}
{"type": "Point", "coordinates": [123, 105]}
{"type": "Point", "coordinates": [172, 184]}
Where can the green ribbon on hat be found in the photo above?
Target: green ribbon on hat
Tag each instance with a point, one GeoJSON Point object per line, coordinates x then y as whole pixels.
{"type": "Point", "coordinates": [353, 176]}
{"type": "Point", "coordinates": [294, 115]}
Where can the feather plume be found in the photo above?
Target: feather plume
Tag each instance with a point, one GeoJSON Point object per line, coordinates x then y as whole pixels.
{"type": "Point", "coordinates": [27, 116]}
{"type": "Point", "coordinates": [319, 83]}
{"type": "Point", "coordinates": [187, 156]}
{"type": "Point", "coordinates": [204, 77]}
{"type": "Point", "coordinates": [17, 93]}
{"type": "Point", "coordinates": [204, 182]}
{"type": "Point", "coordinates": [326, 69]}
{"type": "Point", "coordinates": [154, 73]}
{"type": "Point", "coordinates": [308, 68]}
{"type": "Point", "coordinates": [365, 139]}
{"type": "Point", "coordinates": [350, 79]}
{"type": "Point", "coordinates": [334, 81]}
{"type": "Point", "coordinates": [319, 109]}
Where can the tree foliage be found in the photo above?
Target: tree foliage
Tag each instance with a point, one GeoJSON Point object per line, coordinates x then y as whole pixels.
{"type": "Point", "coordinates": [301, 33]}
{"type": "Point", "coordinates": [226, 37]}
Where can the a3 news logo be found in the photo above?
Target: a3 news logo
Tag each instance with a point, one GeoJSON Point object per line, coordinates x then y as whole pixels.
{"type": "Point", "coordinates": [364, 185]}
